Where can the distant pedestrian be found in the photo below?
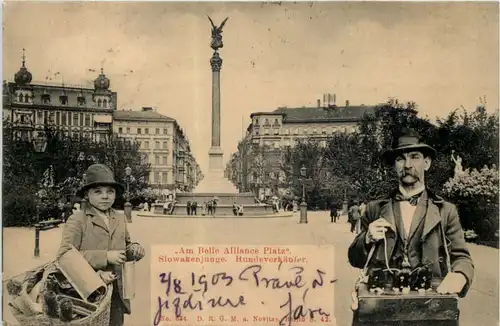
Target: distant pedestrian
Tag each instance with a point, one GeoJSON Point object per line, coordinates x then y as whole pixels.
{"type": "Point", "coordinates": [210, 207]}
{"type": "Point", "coordinates": [334, 213]}
{"type": "Point", "coordinates": [235, 209]}
{"type": "Point", "coordinates": [355, 217]}
{"type": "Point", "coordinates": [194, 208]}
{"type": "Point", "coordinates": [188, 208]}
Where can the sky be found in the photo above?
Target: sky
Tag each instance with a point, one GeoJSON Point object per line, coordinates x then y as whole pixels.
{"type": "Point", "coordinates": [440, 55]}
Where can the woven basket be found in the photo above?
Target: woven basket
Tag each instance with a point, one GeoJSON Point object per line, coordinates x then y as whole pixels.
{"type": "Point", "coordinates": [98, 318]}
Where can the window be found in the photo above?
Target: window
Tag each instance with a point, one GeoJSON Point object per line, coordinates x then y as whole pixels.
{"type": "Point", "coordinates": [46, 117]}
{"type": "Point", "coordinates": [139, 144]}
{"type": "Point", "coordinates": [146, 131]}
{"type": "Point", "coordinates": [120, 130]}
{"type": "Point", "coordinates": [157, 177]}
{"type": "Point", "coordinates": [81, 100]}
{"type": "Point", "coordinates": [58, 118]}
{"type": "Point", "coordinates": [164, 160]}
{"type": "Point", "coordinates": [87, 120]}
{"type": "Point", "coordinates": [81, 119]}
{"type": "Point", "coordinates": [157, 131]}
{"type": "Point", "coordinates": [256, 132]}
{"type": "Point", "coordinates": [63, 118]}
{"type": "Point", "coordinates": [146, 144]}
{"type": "Point", "coordinates": [105, 103]}
{"type": "Point", "coordinates": [266, 131]}
{"type": "Point", "coordinates": [157, 144]}
{"type": "Point", "coordinates": [165, 145]}
{"type": "Point", "coordinates": [256, 121]}
{"type": "Point", "coordinates": [277, 144]}
{"type": "Point", "coordinates": [164, 177]}
{"type": "Point", "coordinates": [139, 131]}
{"type": "Point", "coordinates": [157, 160]}
{"type": "Point", "coordinates": [99, 103]}
{"type": "Point", "coordinates": [20, 99]}
{"type": "Point", "coordinates": [128, 130]}
{"type": "Point", "coordinates": [63, 99]}
{"type": "Point", "coordinates": [165, 131]}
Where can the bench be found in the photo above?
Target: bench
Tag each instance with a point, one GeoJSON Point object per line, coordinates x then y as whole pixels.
{"type": "Point", "coordinates": [42, 225]}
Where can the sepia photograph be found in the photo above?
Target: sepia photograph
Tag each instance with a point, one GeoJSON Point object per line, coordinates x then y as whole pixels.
{"type": "Point", "coordinates": [250, 163]}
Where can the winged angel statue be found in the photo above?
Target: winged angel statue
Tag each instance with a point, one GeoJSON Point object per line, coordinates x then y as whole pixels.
{"type": "Point", "coordinates": [217, 34]}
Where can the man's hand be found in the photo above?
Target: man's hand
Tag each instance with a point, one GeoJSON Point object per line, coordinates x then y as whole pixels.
{"type": "Point", "coordinates": [376, 230]}
{"type": "Point", "coordinates": [107, 277]}
{"type": "Point", "coordinates": [116, 257]}
{"type": "Point", "coordinates": [452, 283]}
{"type": "Point", "coordinates": [136, 251]}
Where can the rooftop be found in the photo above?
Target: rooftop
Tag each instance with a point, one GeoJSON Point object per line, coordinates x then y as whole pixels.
{"type": "Point", "coordinates": [329, 113]}
{"type": "Point", "coordinates": [140, 115]}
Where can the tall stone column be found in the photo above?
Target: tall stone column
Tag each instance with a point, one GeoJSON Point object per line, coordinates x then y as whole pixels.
{"type": "Point", "coordinates": [215, 153]}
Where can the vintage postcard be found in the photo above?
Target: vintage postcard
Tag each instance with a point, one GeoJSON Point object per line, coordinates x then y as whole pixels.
{"type": "Point", "coordinates": [250, 163]}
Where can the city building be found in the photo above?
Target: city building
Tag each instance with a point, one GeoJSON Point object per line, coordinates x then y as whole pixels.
{"type": "Point", "coordinates": [163, 144]}
{"type": "Point", "coordinates": [273, 131]}
{"type": "Point", "coordinates": [73, 110]}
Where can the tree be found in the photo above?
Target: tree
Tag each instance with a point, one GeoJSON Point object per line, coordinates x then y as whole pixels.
{"type": "Point", "coordinates": [42, 179]}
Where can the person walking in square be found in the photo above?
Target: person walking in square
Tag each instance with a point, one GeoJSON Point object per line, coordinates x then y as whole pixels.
{"type": "Point", "coordinates": [334, 214]}
{"type": "Point", "coordinates": [194, 208]}
{"type": "Point", "coordinates": [100, 234]}
{"type": "Point", "coordinates": [355, 216]}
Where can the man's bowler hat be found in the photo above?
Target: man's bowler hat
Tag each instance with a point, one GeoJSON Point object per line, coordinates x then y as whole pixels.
{"type": "Point", "coordinates": [98, 175]}
{"type": "Point", "coordinates": [408, 141]}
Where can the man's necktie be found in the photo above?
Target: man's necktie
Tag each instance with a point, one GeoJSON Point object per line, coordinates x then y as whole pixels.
{"type": "Point", "coordinates": [413, 200]}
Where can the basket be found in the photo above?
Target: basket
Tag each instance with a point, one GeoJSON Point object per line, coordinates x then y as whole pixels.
{"type": "Point", "coordinates": [100, 317]}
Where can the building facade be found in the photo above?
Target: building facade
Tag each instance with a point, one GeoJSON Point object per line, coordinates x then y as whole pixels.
{"type": "Point", "coordinates": [74, 111]}
{"type": "Point", "coordinates": [270, 132]}
{"type": "Point", "coordinates": [163, 144]}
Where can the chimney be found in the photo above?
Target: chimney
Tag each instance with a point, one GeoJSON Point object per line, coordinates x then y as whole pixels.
{"type": "Point", "coordinates": [319, 103]}
{"type": "Point", "coordinates": [346, 103]}
{"type": "Point", "coordinates": [147, 109]}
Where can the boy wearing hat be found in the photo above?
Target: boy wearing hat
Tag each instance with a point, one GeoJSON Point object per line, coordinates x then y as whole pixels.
{"type": "Point", "coordinates": [100, 234]}
{"type": "Point", "coordinates": [414, 221]}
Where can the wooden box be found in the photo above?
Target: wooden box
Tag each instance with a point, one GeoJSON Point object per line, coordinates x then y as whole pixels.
{"type": "Point", "coordinates": [416, 309]}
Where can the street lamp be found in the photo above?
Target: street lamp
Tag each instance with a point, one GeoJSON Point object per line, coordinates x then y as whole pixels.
{"type": "Point", "coordinates": [39, 144]}
{"type": "Point", "coordinates": [128, 207]}
{"type": "Point", "coordinates": [303, 204]}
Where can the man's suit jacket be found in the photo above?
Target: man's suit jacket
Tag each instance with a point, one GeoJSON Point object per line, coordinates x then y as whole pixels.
{"type": "Point", "coordinates": [425, 243]}
{"type": "Point", "coordinates": [88, 233]}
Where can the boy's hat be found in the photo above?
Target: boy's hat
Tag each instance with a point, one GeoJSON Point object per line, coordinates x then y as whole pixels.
{"type": "Point", "coordinates": [98, 175]}
{"type": "Point", "coordinates": [409, 140]}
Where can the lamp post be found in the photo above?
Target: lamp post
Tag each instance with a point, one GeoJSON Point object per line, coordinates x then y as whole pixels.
{"type": "Point", "coordinates": [128, 207]}
{"type": "Point", "coordinates": [39, 144]}
{"type": "Point", "coordinates": [303, 204]}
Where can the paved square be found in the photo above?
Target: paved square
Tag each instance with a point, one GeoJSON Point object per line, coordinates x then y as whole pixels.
{"type": "Point", "coordinates": [479, 308]}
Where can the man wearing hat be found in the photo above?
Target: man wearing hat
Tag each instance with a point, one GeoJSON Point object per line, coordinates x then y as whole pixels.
{"type": "Point", "coordinates": [100, 234]}
{"type": "Point", "coordinates": [415, 223]}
